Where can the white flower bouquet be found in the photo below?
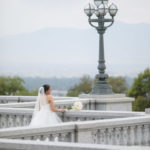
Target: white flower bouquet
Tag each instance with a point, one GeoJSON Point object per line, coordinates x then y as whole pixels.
{"type": "Point", "coordinates": [76, 106]}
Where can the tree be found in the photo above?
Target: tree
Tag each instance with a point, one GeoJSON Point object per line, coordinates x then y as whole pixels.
{"type": "Point", "coordinates": [3, 86]}
{"type": "Point", "coordinates": [141, 103]}
{"type": "Point", "coordinates": [119, 84]}
{"type": "Point", "coordinates": [11, 85]}
{"type": "Point", "coordinates": [28, 93]}
{"type": "Point", "coordinates": [141, 91]}
{"type": "Point", "coordinates": [141, 85]}
{"type": "Point", "coordinates": [83, 87]}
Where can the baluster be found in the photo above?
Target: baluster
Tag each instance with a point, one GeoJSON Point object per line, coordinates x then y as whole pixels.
{"type": "Point", "coordinates": [132, 135]}
{"type": "Point", "coordinates": [110, 136]}
{"type": "Point", "coordinates": [149, 134]}
{"type": "Point", "coordinates": [98, 136]}
{"type": "Point", "coordinates": [125, 136]}
{"type": "Point", "coordinates": [26, 120]}
{"type": "Point", "coordinates": [4, 121]}
{"type": "Point", "coordinates": [146, 135]}
{"type": "Point", "coordinates": [82, 119]}
{"type": "Point", "coordinates": [94, 136]}
{"type": "Point", "coordinates": [87, 106]}
{"type": "Point", "coordinates": [70, 119]}
{"type": "Point", "coordinates": [11, 120]}
{"type": "Point", "coordinates": [106, 136]}
{"type": "Point", "coordinates": [72, 137]}
{"type": "Point", "coordinates": [46, 138]}
{"type": "Point", "coordinates": [78, 119]}
{"type": "Point", "coordinates": [18, 121]}
{"type": "Point", "coordinates": [37, 137]}
{"type": "Point", "coordinates": [65, 119]}
{"type": "Point", "coordinates": [139, 135]}
{"type": "Point", "coordinates": [102, 136]}
{"type": "Point", "coordinates": [32, 137]}
{"type": "Point", "coordinates": [69, 137]}
{"type": "Point", "coordinates": [63, 137]}
{"type": "Point", "coordinates": [117, 136]}
{"type": "Point", "coordinates": [84, 106]}
{"type": "Point", "coordinates": [51, 137]}
{"type": "Point", "coordinates": [55, 137]}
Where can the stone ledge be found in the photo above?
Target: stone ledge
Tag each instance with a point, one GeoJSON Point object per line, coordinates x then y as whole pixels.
{"type": "Point", "coordinates": [72, 126]}
{"type": "Point", "coordinates": [147, 110]}
{"type": "Point", "coordinates": [9, 144]}
{"type": "Point", "coordinates": [14, 131]}
{"type": "Point", "coordinates": [112, 122]}
{"type": "Point", "coordinates": [101, 96]}
{"type": "Point", "coordinates": [112, 98]}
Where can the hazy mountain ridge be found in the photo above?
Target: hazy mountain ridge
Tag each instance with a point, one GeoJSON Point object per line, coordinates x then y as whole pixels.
{"type": "Point", "coordinates": [74, 52]}
{"type": "Point", "coordinates": [56, 83]}
{"type": "Point", "coordinates": [61, 84]}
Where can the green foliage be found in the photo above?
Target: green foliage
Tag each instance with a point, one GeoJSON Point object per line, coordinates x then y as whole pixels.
{"type": "Point", "coordinates": [119, 84]}
{"type": "Point", "coordinates": [141, 85]}
{"type": "Point", "coordinates": [14, 86]}
{"type": "Point", "coordinates": [11, 85]}
{"type": "Point", "coordinates": [28, 93]}
{"type": "Point", "coordinates": [141, 103]}
{"type": "Point", "coordinates": [83, 87]}
{"type": "Point", "coordinates": [69, 107]}
{"type": "Point", "coordinates": [141, 91]}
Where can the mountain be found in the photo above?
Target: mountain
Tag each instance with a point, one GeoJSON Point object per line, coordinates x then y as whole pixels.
{"type": "Point", "coordinates": [66, 52]}
{"type": "Point", "coordinates": [59, 84]}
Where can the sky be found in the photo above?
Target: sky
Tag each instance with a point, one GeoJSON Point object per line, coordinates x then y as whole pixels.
{"type": "Point", "coordinates": [24, 17]}
{"type": "Point", "coordinates": [21, 16]}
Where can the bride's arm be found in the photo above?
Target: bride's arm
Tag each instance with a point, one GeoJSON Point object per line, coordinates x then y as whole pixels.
{"type": "Point", "coordinates": [53, 106]}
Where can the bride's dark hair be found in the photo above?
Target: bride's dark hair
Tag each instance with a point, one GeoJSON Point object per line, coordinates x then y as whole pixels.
{"type": "Point", "coordinates": [46, 87]}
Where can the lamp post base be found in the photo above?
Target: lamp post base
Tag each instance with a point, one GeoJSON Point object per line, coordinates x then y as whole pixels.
{"type": "Point", "coordinates": [101, 88]}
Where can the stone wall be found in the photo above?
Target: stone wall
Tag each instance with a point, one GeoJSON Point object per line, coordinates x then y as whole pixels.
{"type": "Point", "coordinates": [114, 102]}
{"type": "Point", "coordinates": [9, 144]}
{"type": "Point", "coordinates": [15, 117]}
{"type": "Point", "coordinates": [120, 131]}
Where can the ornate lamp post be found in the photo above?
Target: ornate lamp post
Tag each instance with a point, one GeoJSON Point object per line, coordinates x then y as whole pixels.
{"type": "Point", "coordinates": [98, 20]}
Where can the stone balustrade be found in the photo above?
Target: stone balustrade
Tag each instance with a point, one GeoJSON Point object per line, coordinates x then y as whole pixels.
{"type": "Point", "coordinates": [125, 131]}
{"type": "Point", "coordinates": [113, 102]}
{"type": "Point", "coordinates": [110, 101]}
{"type": "Point", "coordinates": [63, 104]}
{"type": "Point", "coordinates": [63, 132]}
{"type": "Point", "coordinates": [18, 99]}
{"type": "Point", "coordinates": [85, 115]}
{"type": "Point", "coordinates": [13, 144]}
{"type": "Point", "coordinates": [18, 105]}
{"type": "Point", "coordinates": [120, 131]}
{"type": "Point", "coordinates": [14, 117]}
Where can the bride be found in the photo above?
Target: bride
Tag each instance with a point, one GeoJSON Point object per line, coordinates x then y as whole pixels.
{"type": "Point", "coordinates": [44, 110]}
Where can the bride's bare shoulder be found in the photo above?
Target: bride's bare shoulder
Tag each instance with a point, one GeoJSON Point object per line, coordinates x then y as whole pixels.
{"type": "Point", "coordinates": [49, 97]}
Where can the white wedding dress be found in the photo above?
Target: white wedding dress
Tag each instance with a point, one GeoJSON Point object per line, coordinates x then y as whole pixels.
{"type": "Point", "coordinates": [42, 114]}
